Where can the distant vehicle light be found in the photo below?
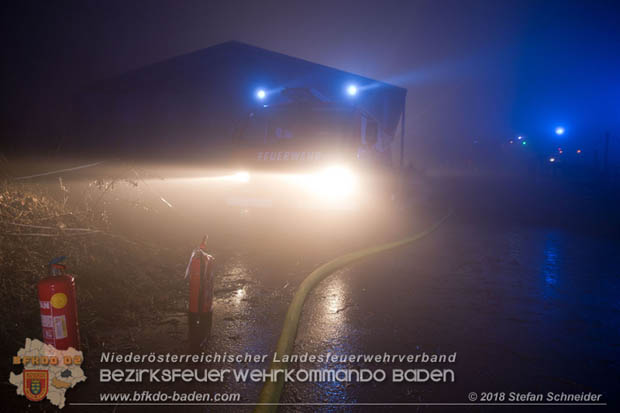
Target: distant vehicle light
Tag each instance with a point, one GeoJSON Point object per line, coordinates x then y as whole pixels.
{"type": "Point", "coordinates": [261, 94]}
{"type": "Point", "coordinates": [511, 141]}
{"type": "Point", "coordinates": [524, 143]}
{"type": "Point", "coordinates": [552, 159]}
{"type": "Point", "coordinates": [578, 151]}
{"type": "Point", "coordinates": [519, 137]}
{"type": "Point", "coordinates": [352, 90]}
{"type": "Point", "coordinates": [559, 130]}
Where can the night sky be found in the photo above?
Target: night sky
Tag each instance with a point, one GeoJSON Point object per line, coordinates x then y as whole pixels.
{"type": "Point", "coordinates": [475, 70]}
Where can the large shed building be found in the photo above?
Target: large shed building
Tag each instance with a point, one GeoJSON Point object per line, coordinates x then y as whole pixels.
{"type": "Point", "coordinates": [192, 104]}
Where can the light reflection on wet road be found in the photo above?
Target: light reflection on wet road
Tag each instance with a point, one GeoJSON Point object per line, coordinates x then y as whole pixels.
{"type": "Point", "coordinates": [525, 309]}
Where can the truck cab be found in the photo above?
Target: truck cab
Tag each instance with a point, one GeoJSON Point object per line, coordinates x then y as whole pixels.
{"type": "Point", "coordinates": [322, 153]}
{"type": "Point", "coordinates": [303, 128]}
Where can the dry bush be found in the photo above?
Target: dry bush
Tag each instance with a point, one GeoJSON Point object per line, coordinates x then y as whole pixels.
{"type": "Point", "coordinates": [120, 282]}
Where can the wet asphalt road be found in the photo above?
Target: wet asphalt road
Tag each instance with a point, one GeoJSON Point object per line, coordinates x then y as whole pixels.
{"type": "Point", "coordinates": [526, 308]}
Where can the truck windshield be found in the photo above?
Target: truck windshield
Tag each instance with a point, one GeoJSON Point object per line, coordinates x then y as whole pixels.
{"type": "Point", "coordinates": [297, 126]}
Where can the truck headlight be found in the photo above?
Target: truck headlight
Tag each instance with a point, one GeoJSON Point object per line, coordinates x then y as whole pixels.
{"type": "Point", "coordinates": [334, 182]}
{"type": "Point", "coordinates": [241, 176]}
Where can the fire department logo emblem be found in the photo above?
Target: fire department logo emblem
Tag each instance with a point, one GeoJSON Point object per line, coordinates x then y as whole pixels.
{"type": "Point", "coordinates": [36, 384]}
{"type": "Point", "coordinates": [47, 372]}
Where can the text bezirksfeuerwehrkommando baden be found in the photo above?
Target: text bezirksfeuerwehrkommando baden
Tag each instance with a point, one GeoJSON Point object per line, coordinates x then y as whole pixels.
{"type": "Point", "coordinates": [211, 375]}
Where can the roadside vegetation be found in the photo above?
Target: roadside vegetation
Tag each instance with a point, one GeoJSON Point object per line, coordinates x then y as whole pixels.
{"type": "Point", "coordinates": [121, 282]}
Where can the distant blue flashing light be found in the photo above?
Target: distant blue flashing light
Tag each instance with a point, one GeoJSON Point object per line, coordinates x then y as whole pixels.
{"type": "Point", "coordinates": [559, 131]}
{"type": "Point", "coordinates": [351, 90]}
{"type": "Point", "coordinates": [519, 137]}
{"type": "Point", "coordinates": [552, 159]}
{"type": "Point", "coordinates": [261, 94]}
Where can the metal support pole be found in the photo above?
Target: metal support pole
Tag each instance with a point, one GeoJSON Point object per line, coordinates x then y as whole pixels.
{"type": "Point", "coordinates": [606, 156]}
{"type": "Point", "coordinates": [402, 138]}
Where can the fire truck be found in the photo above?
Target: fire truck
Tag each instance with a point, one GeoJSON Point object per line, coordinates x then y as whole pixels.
{"type": "Point", "coordinates": [300, 149]}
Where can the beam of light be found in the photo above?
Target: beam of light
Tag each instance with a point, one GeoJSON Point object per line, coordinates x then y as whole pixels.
{"type": "Point", "coordinates": [559, 130]}
{"type": "Point", "coordinates": [261, 94]}
{"type": "Point", "coordinates": [439, 71]}
{"type": "Point", "coordinates": [352, 90]}
{"type": "Point", "coordinates": [241, 176]}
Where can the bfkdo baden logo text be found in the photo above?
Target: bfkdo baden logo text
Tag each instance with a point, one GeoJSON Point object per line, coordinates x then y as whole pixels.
{"type": "Point", "coordinates": [47, 372]}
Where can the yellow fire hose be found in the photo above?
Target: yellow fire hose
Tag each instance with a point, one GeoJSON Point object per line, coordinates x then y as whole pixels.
{"type": "Point", "coordinates": [269, 397]}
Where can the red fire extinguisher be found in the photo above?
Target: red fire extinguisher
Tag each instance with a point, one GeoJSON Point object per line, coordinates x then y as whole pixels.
{"type": "Point", "coordinates": [200, 274]}
{"type": "Point", "coordinates": [58, 304]}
